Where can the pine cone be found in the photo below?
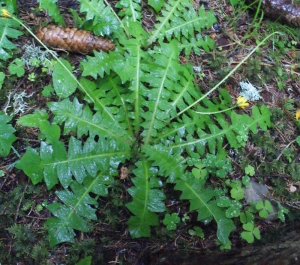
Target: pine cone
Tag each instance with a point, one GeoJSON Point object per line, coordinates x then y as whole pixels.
{"type": "Point", "coordinates": [73, 39]}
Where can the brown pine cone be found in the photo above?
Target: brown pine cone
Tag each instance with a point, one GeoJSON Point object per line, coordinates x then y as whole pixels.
{"type": "Point", "coordinates": [73, 39]}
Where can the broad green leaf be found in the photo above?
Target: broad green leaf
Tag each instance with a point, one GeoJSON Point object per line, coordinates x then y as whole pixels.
{"type": "Point", "coordinates": [225, 227]}
{"type": "Point", "coordinates": [85, 261]}
{"type": "Point", "coordinates": [58, 232]}
{"type": "Point", "coordinates": [6, 134]}
{"type": "Point", "coordinates": [63, 81]}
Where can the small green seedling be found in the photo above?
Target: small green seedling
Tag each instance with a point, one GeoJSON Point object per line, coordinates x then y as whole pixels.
{"type": "Point", "coordinates": [196, 231]}
{"type": "Point", "coordinates": [32, 77]}
{"type": "Point", "coordinates": [171, 220]}
{"type": "Point", "coordinates": [246, 181]}
{"type": "Point", "coordinates": [16, 67]}
{"type": "Point", "coordinates": [185, 218]}
{"type": "Point", "coordinates": [250, 232]}
{"type": "Point", "coordinates": [199, 172]}
{"type": "Point", "coordinates": [48, 91]}
{"type": "Point", "coordinates": [234, 209]}
{"type": "Point", "coordinates": [237, 193]}
{"type": "Point", "coordinates": [249, 170]}
{"type": "Point", "coordinates": [34, 62]}
{"type": "Point", "coordinates": [264, 208]}
{"type": "Point", "coordinates": [281, 212]}
{"type": "Point", "coordinates": [246, 217]}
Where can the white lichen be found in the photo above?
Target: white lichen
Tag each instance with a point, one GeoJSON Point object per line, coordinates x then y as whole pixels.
{"type": "Point", "coordinates": [17, 102]}
{"type": "Point", "coordinates": [249, 92]}
{"type": "Point", "coordinates": [33, 54]}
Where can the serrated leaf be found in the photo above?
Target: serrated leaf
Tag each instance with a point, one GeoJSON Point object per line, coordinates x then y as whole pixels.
{"type": "Point", "coordinates": [63, 82]}
{"type": "Point", "coordinates": [180, 20]}
{"type": "Point", "coordinates": [7, 30]}
{"type": "Point", "coordinates": [104, 19]}
{"type": "Point", "coordinates": [55, 163]}
{"type": "Point", "coordinates": [146, 200]}
{"type": "Point", "coordinates": [79, 199]}
{"type": "Point", "coordinates": [52, 8]}
{"type": "Point", "coordinates": [92, 8]}
{"type": "Point", "coordinates": [156, 4]}
{"type": "Point", "coordinates": [7, 136]}
{"type": "Point", "coordinates": [60, 229]}
{"type": "Point", "coordinates": [170, 165]}
{"type": "Point", "coordinates": [130, 9]}
{"type": "Point", "coordinates": [83, 122]}
{"type": "Point", "coordinates": [40, 119]}
{"type": "Point", "coordinates": [201, 200]}
{"type": "Point", "coordinates": [76, 211]}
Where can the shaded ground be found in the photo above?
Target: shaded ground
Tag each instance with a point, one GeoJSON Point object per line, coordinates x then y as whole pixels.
{"type": "Point", "coordinates": [274, 69]}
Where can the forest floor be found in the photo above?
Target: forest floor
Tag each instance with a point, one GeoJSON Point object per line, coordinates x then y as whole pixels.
{"type": "Point", "coordinates": [274, 70]}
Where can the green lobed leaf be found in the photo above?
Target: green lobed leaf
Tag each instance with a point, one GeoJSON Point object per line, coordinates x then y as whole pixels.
{"type": "Point", "coordinates": [248, 236]}
{"type": "Point", "coordinates": [50, 132]}
{"type": "Point", "coordinates": [171, 220]}
{"type": "Point", "coordinates": [16, 67]}
{"type": "Point", "coordinates": [7, 136]}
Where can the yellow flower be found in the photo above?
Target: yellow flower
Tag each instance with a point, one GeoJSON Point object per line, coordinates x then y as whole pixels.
{"type": "Point", "coordinates": [5, 13]}
{"type": "Point", "coordinates": [297, 114]}
{"type": "Point", "coordinates": [242, 102]}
